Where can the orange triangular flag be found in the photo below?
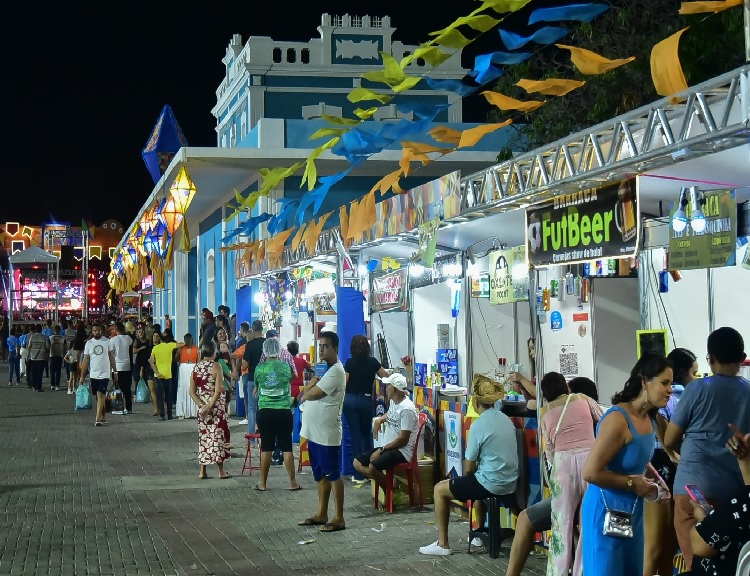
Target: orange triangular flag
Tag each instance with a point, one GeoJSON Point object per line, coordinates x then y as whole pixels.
{"type": "Point", "coordinates": [344, 223]}
{"type": "Point", "coordinates": [445, 134]}
{"type": "Point", "coordinates": [709, 6]}
{"type": "Point", "coordinates": [591, 63]}
{"type": "Point", "coordinates": [471, 136]}
{"type": "Point", "coordinates": [666, 71]}
{"type": "Point", "coordinates": [351, 231]}
{"type": "Point", "coordinates": [313, 233]}
{"type": "Point", "coordinates": [507, 103]}
{"type": "Point", "coordinates": [275, 247]}
{"type": "Point", "coordinates": [370, 217]}
{"type": "Point", "coordinates": [551, 86]}
{"type": "Point", "coordinates": [385, 183]}
{"type": "Point", "coordinates": [298, 237]}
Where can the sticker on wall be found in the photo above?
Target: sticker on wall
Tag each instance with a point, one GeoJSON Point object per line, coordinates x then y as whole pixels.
{"type": "Point", "coordinates": [568, 360]}
{"type": "Point", "coordinates": [581, 317]}
{"type": "Point", "coordinates": [556, 322]}
{"type": "Point", "coordinates": [582, 330]}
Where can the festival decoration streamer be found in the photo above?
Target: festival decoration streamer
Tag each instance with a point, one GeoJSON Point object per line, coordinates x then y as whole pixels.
{"type": "Point", "coordinates": [455, 86]}
{"type": "Point", "coordinates": [546, 35]}
{"type": "Point", "coordinates": [666, 70]}
{"type": "Point", "coordinates": [298, 237]}
{"type": "Point", "coordinates": [313, 233]}
{"type": "Point", "coordinates": [550, 87]}
{"type": "Point", "coordinates": [445, 134]}
{"type": "Point", "coordinates": [709, 6]}
{"type": "Point", "coordinates": [591, 63]}
{"type": "Point", "coordinates": [505, 103]}
{"type": "Point", "coordinates": [275, 247]}
{"type": "Point", "coordinates": [579, 12]}
{"type": "Point", "coordinates": [344, 225]}
{"type": "Point", "coordinates": [471, 136]}
{"type": "Point", "coordinates": [316, 197]}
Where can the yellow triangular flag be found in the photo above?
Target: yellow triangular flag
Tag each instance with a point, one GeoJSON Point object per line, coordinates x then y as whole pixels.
{"type": "Point", "coordinates": [591, 63]}
{"type": "Point", "coordinates": [298, 237]}
{"type": "Point", "coordinates": [471, 136]}
{"type": "Point", "coordinates": [551, 86]}
{"type": "Point", "coordinates": [709, 6]}
{"type": "Point", "coordinates": [360, 94]}
{"type": "Point", "coordinates": [507, 103]}
{"type": "Point", "coordinates": [445, 134]}
{"type": "Point", "coordinates": [666, 70]}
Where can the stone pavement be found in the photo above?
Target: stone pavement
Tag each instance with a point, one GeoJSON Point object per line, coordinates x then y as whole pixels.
{"type": "Point", "coordinates": [125, 500]}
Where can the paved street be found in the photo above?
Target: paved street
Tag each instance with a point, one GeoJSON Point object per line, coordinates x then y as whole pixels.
{"type": "Point", "coordinates": [125, 500]}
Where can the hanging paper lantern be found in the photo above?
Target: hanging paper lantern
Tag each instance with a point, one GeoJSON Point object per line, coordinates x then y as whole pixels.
{"type": "Point", "coordinates": [182, 191]}
{"type": "Point", "coordinates": [170, 216]}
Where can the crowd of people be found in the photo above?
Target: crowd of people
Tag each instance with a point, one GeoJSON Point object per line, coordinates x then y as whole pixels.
{"type": "Point", "coordinates": [664, 469]}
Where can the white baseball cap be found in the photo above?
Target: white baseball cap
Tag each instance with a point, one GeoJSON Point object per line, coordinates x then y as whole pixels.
{"type": "Point", "coordinates": [398, 381]}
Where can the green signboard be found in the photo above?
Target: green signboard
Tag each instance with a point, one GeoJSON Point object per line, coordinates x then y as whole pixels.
{"type": "Point", "coordinates": [715, 246]}
{"type": "Point", "coordinates": [587, 225]}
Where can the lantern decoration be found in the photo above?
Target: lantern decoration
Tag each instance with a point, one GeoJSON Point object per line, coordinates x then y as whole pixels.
{"type": "Point", "coordinates": [169, 216]}
{"type": "Point", "coordinates": [182, 191]}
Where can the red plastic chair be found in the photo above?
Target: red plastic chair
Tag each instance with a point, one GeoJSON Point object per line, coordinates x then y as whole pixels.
{"type": "Point", "coordinates": [248, 464]}
{"type": "Point", "coordinates": [412, 475]}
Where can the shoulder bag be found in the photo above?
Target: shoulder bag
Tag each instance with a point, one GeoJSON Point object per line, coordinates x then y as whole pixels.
{"type": "Point", "coordinates": [618, 523]}
{"type": "Point", "coordinates": [548, 466]}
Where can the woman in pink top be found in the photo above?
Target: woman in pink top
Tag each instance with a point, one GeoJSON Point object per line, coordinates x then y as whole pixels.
{"type": "Point", "coordinates": [568, 431]}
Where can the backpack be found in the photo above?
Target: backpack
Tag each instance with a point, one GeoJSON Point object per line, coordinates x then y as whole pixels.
{"type": "Point", "coordinates": [83, 397]}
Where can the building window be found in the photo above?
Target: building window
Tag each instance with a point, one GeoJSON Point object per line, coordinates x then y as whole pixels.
{"type": "Point", "coordinates": [305, 56]}
{"type": "Point", "coordinates": [291, 55]}
{"type": "Point", "coordinates": [277, 55]}
{"type": "Point", "coordinates": [211, 281]}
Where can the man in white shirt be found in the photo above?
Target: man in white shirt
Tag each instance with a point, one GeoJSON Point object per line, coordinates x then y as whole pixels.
{"type": "Point", "coordinates": [99, 360]}
{"type": "Point", "coordinates": [120, 346]}
{"type": "Point", "coordinates": [323, 400]}
{"type": "Point", "coordinates": [401, 427]}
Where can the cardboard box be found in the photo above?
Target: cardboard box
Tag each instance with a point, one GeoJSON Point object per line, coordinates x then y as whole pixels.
{"type": "Point", "coordinates": [401, 494]}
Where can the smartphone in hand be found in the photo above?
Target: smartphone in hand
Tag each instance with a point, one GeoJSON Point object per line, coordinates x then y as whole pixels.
{"type": "Point", "coordinates": [697, 497]}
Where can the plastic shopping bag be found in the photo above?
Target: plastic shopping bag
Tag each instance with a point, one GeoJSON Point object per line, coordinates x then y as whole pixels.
{"type": "Point", "coordinates": [83, 397]}
{"type": "Point", "coordinates": [142, 393]}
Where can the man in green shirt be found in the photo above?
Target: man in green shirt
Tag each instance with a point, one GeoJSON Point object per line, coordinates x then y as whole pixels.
{"type": "Point", "coordinates": [273, 383]}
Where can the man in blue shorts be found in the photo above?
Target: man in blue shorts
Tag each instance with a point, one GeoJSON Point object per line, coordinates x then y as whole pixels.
{"type": "Point", "coordinates": [323, 400]}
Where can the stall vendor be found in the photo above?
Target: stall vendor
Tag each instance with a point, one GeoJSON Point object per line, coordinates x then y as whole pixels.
{"type": "Point", "coordinates": [526, 387]}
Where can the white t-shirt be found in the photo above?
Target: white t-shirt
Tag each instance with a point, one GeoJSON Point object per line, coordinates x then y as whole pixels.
{"type": "Point", "coordinates": [322, 420]}
{"type": "Point", "coordinates": [120, 345]}
{"type": "Point", "coordinates": [402, 416]}
{"type": "Point", "coordinates": [98, 353]}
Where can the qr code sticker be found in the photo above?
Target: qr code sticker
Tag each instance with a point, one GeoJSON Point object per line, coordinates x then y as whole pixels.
{"type": "Point", "coordinates": [569, 364]}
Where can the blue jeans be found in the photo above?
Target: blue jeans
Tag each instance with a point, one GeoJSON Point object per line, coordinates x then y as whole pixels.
{"type": "Point", "coordinates": [251, 403]}
{"type": "Point", "coordinates": [14, 365]}
{"type": "Point", "coordinates": [359, 413]}
{"type": "Point", "coordinates": [164, 394]}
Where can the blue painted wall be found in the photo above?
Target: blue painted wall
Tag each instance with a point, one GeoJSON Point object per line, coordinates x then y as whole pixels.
{"type": "Point", "coordinates": [193, 290]}
{"type": "Point", "coordinates": [209, 231]}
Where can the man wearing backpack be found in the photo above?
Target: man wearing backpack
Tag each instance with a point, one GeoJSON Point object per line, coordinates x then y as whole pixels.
{"type": "Point", "coordinates": [37, 345]}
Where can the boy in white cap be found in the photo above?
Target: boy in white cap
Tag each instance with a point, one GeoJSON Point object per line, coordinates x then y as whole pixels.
{"type": "Point", "coordinates": [401, 427]}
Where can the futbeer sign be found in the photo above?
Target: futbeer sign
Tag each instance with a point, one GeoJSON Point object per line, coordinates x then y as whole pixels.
{"type": "Point", "coordinates": [586, 225]}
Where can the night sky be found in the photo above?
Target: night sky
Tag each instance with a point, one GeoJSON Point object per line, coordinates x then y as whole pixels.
{"type": "Point", "coordinates": [85, 83]}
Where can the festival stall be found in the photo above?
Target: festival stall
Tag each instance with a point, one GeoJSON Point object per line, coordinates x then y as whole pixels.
{"type": "Point", "coordinates": [35, 286]}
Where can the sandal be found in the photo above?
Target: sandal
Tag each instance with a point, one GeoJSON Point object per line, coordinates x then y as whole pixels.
{"type": "Point", "coordinates": [295, 489]}
{"type": "Point", "coordinates": [328, 527]}
{"type": "Point", "coordinates": [258, 488]}
{"type": "Point", "coordinates": [225, 476]}
{"type": "Point", "coordinates": [311, 522]}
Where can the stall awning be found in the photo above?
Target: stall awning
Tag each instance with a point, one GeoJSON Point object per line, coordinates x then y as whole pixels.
{"type": "Point", "coordinates": [33, 255]}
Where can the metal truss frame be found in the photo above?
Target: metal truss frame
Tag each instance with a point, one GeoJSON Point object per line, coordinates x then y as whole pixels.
{"type": "Point", "coordinates": [704, 119]}
{"type": "Point", "coordinates": [50, 236]}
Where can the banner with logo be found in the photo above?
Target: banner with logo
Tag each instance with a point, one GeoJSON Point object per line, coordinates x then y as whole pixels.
{"type": "Point", "coordinates": [453, 444]}
{"type": "Point", "coordinates": [509, 276]}
{"type": "Point", "coordinates": [388, 291]}
{"type": "Point", "coordinates": [590, 224]}
{"type": "Point", "coordinates": [715, 247]}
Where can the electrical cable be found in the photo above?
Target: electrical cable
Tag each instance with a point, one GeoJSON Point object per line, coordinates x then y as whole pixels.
{"type": "Point", "coordinates": [661, 300]}
{"type": "Point", "coordinates": [486, 330]}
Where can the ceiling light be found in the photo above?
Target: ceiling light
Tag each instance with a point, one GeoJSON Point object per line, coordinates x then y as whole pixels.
{"type": "Point", "coordinates": [697, 217]}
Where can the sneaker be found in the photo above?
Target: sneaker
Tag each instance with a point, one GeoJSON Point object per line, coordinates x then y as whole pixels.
{"type": "Point", "coordinates": [98, 423]}
{"type": "Point", "coordinates": [435, 550]}
{"type": "Point", "coordinates": [70, 392]}
{"type": "Point", "coordinates": [243, 422]}
{"type": "Point", "coordinates": [476, 542]}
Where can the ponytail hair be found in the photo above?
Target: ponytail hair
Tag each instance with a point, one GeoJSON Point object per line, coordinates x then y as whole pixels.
{"type": "Point", "coordinates": [649, 366]}
{"type": "Point", "coordinates": [682, 361]}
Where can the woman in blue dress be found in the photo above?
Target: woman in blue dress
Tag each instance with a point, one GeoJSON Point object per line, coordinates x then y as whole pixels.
{"type": "Point", "coordinates": [616, 470]}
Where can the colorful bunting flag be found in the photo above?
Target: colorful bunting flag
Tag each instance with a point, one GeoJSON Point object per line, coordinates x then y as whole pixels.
{"type": "Point", "coordinates": [505, 103]}
{"type": "Point", "coordinates": [546, 35]}
{"type": "Point", "coordinates": [550, 87]}
{"type": "Point", "coordinates": [591, 63]}
{"type": "Point", "coordinates": [708, 6]}
{"type": "Point", "coordinates": [666, 70]}
{"type": "Point", "coordinates": [579, 12]}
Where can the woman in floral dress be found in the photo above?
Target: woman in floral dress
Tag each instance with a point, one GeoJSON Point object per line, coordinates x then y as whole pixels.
{"type": "Point", "coordinates": [213, 430]}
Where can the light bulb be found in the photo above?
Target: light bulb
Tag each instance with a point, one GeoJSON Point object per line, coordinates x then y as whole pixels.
{"type": "Point", "coordinates": [416, 269]}
{"type": "Point", "coordinates": [679, 220]}
{"type": "Point", "coordinates": [288, 295]}
{"type": "Point", "coordinates": [698, 221]}
{"type": "Point", "coordinates": [697, 217]}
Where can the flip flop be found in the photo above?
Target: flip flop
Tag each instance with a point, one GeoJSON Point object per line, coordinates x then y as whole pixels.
{"type": "Point", "coordinates": [258, 488]}
{"type": "Point", "coordinates": [328, 527]}
{"type": "Point", "coordinates": [225, 476]}
{"type": "Point", "coordinates": [203, 477]}
{"type": "Point", "coordinates": [295, 489]}
{"type": "Point", "coordinates": [311, 522]}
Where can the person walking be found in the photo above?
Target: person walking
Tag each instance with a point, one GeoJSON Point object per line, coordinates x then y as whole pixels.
{"type": "Point", "coordinates": [37, 345]}
{"type": "Point", "coordinates": [617, 474]}
{"type": "Point", "coordinates": [14, 357]}
{"type": "Point", "coordinates": [323, 399]}
{"type": "Point", "coordinates": [120, 346]}
{"type": "Point", "coordinates": [213, 432]}
{"type": "Point", "coordinates": [361, 370]}
{"type": "Point", "coordinates": [56, 354]}
{"type": "Point", "coordinates": [275, 422]}
{"type": "Point", "coordinates": [162, 356]}
{"type": "Point", "coordinates": [99, 361]}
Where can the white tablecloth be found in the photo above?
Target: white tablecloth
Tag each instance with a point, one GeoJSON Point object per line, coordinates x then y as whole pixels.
{"type": "Point", "coordinates": [185, 405]}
